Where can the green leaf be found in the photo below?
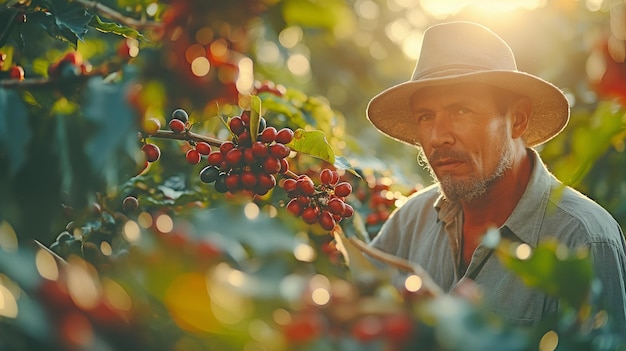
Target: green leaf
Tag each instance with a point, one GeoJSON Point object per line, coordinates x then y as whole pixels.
{"type": "Point", "coordinates": [15, 133]}
{"type": "Point", "coordinates": [276, 104]}
{"type": "Point", "coordinates": [551, 268]}
{"type": "Point", "coordinates": [114, 120]}
{"type": "Point", "coordinates": [314, 143]}
{"type": "Point", "coordinates": [67, 21]}
{"type": "Point", "coordinates": [343, 163]}
{"type": "Point", "coordinates": [115, 28]}
{"type": "Point", "coordinates": [255, 116]}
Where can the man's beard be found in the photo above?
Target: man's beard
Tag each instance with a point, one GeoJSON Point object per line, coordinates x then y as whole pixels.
{"type": "Point", "coordinates": [474, 186]}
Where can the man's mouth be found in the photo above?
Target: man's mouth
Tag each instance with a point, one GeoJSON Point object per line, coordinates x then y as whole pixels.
{"type": "Point", "coordinates": [447, 165]}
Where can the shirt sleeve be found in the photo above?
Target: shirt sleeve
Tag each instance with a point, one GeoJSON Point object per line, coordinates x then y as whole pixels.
{"type": "Point", "coordinates": [609, 265]}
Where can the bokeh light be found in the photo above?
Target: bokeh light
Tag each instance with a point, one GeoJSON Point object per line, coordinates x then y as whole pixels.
{"type": "Point", "coordinates": [290, 36]}
{"type": "Point", "coordinates": [320, 296]}
{"type": "Point", "coordinates": [200, 66]}
{"type": "Point", "coordinates": [413, 283]}
{"type": "Point", "coordinates": [8, 303]}
{"type": "Point", "coordinates": [523, 251]}
{"type": "Point", "coordinates": [549, 341]}
{"type": "Point", "coordinates": [164, 223]}
{"type": "Point", "coordinates": [115, 295]}
{"type": "Point", "coordinates": [304, 252]}
{"type": "Point", "coordinates": [251, 211]}
{"type": "Point", "coordinates": [131, 231]}
{"type": "Point", "coordinates": [152, 9]}
{"type": "Point", "coordinates": [8, 238]}
{"type": "Point", "coordinates": [298, 64]}
{"type": "Point", "coordinates": [144, 219]}
{"type": "Point", "coordinates": [81, 283]}
{"type": "Point", "coordinates": [46, 265]}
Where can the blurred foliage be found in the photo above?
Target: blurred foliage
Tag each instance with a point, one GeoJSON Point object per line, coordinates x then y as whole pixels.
{"type": "Point", "coordinates": [190, 268]}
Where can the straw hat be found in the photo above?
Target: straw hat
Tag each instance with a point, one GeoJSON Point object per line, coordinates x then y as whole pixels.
{"type": "Point", "coordinates": [458, 52]}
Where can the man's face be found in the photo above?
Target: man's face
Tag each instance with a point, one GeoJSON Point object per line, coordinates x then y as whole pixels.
{"type": "Point", "coordinates": [465, 139]}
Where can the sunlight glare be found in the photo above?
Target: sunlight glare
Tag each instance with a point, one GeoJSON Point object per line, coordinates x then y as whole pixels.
{"type": "Point", "coordinates": [298, 64]}
{"type": "Point", "coordinates": [290, 36]}
{"type": "Point", "coordinates": [367, 9]}
{"type": "Point", "coordinates": [444, 8]}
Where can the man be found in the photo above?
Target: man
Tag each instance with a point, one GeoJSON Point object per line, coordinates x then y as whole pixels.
{"type": "Point", "coordinates": [476, 118]}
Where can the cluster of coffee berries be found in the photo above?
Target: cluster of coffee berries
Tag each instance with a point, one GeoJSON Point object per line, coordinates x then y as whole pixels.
{"type": "Point", "coordinates": [324, 204]}
{"type": "Point", "coordinates": [241, 164]}
{"type": "Point", "coordinates": [69, 66]}
{"type": "Point", "coordinates": [14, 72]}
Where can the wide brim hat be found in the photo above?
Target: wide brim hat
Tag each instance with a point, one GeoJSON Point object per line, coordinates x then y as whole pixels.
{"type": "Point", "coordinates": [465, 52]}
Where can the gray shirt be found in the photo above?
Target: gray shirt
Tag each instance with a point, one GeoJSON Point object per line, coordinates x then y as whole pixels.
{"type": "Point", "coordinates": [427, 230]}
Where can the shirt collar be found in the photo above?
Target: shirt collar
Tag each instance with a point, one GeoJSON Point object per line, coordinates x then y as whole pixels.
{"type": "Point", "coordinates": [526, 219]}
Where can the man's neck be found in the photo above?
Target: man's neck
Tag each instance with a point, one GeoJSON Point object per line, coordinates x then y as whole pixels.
{"type": "Point", "coordinates": [495, 207]}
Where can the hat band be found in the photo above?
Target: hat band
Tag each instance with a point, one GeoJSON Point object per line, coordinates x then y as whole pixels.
{"type": "Point", "coordinates": [447, 70]}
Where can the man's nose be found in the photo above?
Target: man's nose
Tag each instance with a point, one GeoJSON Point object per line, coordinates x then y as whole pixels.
{"type": "Point", "coordinates": [441, 132]}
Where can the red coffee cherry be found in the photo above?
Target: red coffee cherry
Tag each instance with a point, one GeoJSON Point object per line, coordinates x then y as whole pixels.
{"type": "Point", "coordinates": [306, 186]}
{"type": "Point", "coordinates": [284, 136]}
{"type": "Point", "coordinates": [193, 156]}
{"type": "Point", "coordinates": [245, 117]}
{"type": "Point", "coordinates": [152, 152]}
{"type": "Point", "coordinates": [233, 158]}
{"type": "Point", "coordinates": [248, 180]}
{"type": "Point", "coordinates": [259, 149]}
{"type": "Point", "coordinates": [336, 206]}
{"type": "Point", "coordinates": [215, 158]}
{"type": "Point", "coordinates": [268, 135]}
{"type": "Point", "coordinates": [329, 177]}
{"type": "Point", "coordinates": [279, 150]}
{"type": "Point", "coordinates": [226, 146]}
{"type": "Point", "coordinates": [348, 211]}
{"type": "Point", "coordinates": [16, 72]}
{"type": "Point", "coordinates": [203, 148]}
{"type": "Point", "coordinates": [326, 220]}
{"type": "Point", "coordinates": [310, 215]}
{"type": "Point", "coordinates": [244, 139]}
{"type": "Point", "coordinates": [271, 165]}
{"type": "Point", "coordinates": [265, 183]}
{"type": "Point", "coordinates": [284, 166]}
{"type": "Point", "coordinates": [233, 182]}
{"type": "Point", "coordinates": [294, 207]}
{"type": "Point", "coordinates": [236, 125]}
{"type": "Point", "coordinates": [289, 185]}
{"type": "Point", "coordinates": [177, 126]}
{"type": "Point", "coordinates": [343, 189]}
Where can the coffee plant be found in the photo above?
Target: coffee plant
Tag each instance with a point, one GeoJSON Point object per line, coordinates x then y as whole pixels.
{"type": "Point", "coordinates": [164, 186]}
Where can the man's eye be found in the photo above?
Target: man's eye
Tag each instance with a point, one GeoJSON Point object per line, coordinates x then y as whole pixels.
{"type": "Point", "coordinates": [462, 111]}
{"type": "Point", "coordinates": [424, 117]}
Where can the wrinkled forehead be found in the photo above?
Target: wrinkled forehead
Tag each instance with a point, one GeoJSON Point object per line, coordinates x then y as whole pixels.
{"type": "Point", "coordinates": [449, 93]}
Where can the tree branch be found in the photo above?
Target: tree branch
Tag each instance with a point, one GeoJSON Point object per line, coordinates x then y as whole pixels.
{"type": "Point", "coordinates": [116, 16]}
{"type": "Point", "coordinates": [191, 136]}
{"type": "Point", "coordinates": [29, 83]}
{"type": "Point", "coordinates": [397, 262]}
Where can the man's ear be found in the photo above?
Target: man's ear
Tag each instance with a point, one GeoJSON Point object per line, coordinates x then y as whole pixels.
{"type": "Point", "coordinates": [520, 113]}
